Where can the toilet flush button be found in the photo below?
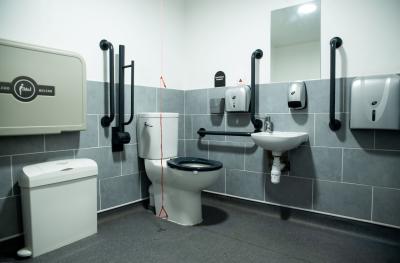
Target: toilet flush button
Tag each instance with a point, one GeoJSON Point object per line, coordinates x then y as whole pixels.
{"type": "Point", "coordinates": [195, 172]}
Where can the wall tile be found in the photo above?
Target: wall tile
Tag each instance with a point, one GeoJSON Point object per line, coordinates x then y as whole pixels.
{"type": "Point", "coordinates": [20, 161]}
{"type": "Point", "coordinates": [97, 97]}
{"type": "Point", "coordinates": [256, 159]}
{"type": "Point", "coordinates": [75, 140]}
{"type": "Point", "coordinates": [21, 144]}
{"type": "Point", "coordinates": [145, 99]}
{"type": "Point", "coordinates": [196, 101]}
{"type": "Point", "coordinates": [209, 122]}
{"type": "Point", "coordinates": [181, 148]}
{"type": "Point", "coordinates": [130, 160]}
{"type": "Point", "coordinates": [215, 93]}
{"type": "Point", "coordinates": [219, 185]}
{"type": "Point", "coordinates": [5, 177]}
{"type": "Point", "coordinates": [290, 191]}
{"type": "Point", "coordinates": [239, 122]}
{"type": "Point", "coordinates": [386, 206]}
{"type": "Point", "coordinates": [385, 139]}
{"type": "Point", "coordinates": [245, 184]}
{"type": "Point", "coordinates": [272, 98]}
{"type": "Point", "coordinates": [343, 199]}
{"type": "Point", "coordinates": [377, 168]}
{"type": "Point", "coordinates": [231, 154]}
{"type": "Point", "coordinates": [119, 190]}
{"type": "Point", "coordinates": [172, 100]}
{"type": "Point", "coordinates": [108, 162]}
{"type": "Point", "coordinates": [196, 148]}
{"type": "Point", "coordinates": [10, 216]}
{"type": "Point", "coordinates": [188, 127]}
{"type": "Point", "coordinates": [316, 162]}
{"type": "Point", "coordinates": [298, 122]}
{"type": "Point", "coordinates": [342, 138]}
{"type": "Point", "coordinates": [181, 127]}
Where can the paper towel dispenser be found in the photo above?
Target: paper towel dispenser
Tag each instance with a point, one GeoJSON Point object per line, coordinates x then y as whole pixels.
{"type": "Point", "coordinates": [237, 99]}
{"type": "Point", "coordinates": [375, 103]}
{"type": "Point", "coordinates": [42, 90]}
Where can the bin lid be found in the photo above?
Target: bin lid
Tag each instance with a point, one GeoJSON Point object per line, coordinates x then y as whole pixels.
{"type": "Point", "coordinates": [56, 172]}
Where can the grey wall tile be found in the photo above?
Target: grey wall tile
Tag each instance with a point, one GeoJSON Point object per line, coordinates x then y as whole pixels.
{"type": "Point", "coordinates": [145, 99]}
{"type": "Point", "coordinates": [10, 217]}
{"type": "Point", "coordinates": [256, 159]}
{"type": "Point", "coordinates": [386, 206]}
{"type": "Point", "coordinates": [188, 127]}
{"type": "Point", "coordinates": [385, 139]}
{"type": "Point", "coordinates": [231, 154]}
{"type": "Point", "coordinates": [75, 140]}
{"type": "Point", "coordinates": [196, 101]}
{"type": "Point", "coordinates": [97, 97]}
{"type": "Point", "coordinates": [245, 184]}
{"type": "Point", "coordinates": [298, 122]}
{"type": "Point", "coordinates": [119, 190]}
{"type": "Point", "coordinates": [5, 177]}
{"type": "Point", "coordinates": [108, 162]}
{"type": "Point", "coordinates": [21, 144]}
{"type": "Point", "coordinates": [209, 122]}
{"type": "Point", "coordinates": [239, 122]}
{"type": "Point", "coordinates": [219, 185]}
{"type": "Point", "coordinates": [171, 100]}
{"type": "Point", "coordinates": [377, 168]}
{"type": "Point", "coordinates": [316, 162]}
{"type": "Point", "coordinates": [181, 148]}
{"type": "Point", "coordinates": [215, 93]}
{"type": "Point", "coordinates": [19, 161]}
{"type": "Point", "coordinates": [196, 148]}
{"type": "Point", "coordinates": [290, 191]}
{"type": "Point", "coordinates": [342, 138]}
{"type": "Point", "coordinates": [130, 160]}
{"type": "Point", "coordinates": [343, 199]}
{"type": "Point", "coordinates": [272, 98]}
{"type": "Point", "coordinates": [181, 127]}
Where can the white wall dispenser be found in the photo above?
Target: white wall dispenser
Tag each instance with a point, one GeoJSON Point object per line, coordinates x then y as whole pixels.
{"type": "Point", "coordinates": [237, 99]}
{"type": "Point", "coordinates": [375, 102]}
{"type": "Point", "coordinates": [42, 90]}
{"type": "Point", "coordinates": [297, 95]}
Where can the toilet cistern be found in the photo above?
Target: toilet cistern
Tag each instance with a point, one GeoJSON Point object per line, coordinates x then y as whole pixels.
{"type": "Point", "coordinates": [278, 142]}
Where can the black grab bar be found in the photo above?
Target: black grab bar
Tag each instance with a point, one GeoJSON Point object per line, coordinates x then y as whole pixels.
{"type": "Point", "coordinates": [106, 45]}
{"type": "Point", "coordinates": [334, 124]}
{"type": "Point", "coordinates": [257, 123]}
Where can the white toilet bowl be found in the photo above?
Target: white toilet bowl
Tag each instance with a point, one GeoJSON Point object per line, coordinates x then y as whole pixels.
{"type": "Point", "coordinates": [183, 177]}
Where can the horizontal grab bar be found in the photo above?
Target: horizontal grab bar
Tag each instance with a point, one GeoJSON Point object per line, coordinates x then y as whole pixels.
{"type": "Point", "coordinates": [203, 132]}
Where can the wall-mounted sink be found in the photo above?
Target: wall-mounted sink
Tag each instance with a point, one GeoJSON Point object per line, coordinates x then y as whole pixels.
{"type": "Point", "coordinates": [278, 142]}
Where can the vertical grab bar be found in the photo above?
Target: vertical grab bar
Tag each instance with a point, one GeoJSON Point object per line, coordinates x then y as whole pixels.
{"type": "Point", "coordinates": [334, 124]}
{"type": "Point", "coordinates": [106, 45]}
{"type": "Point", "coordinates": [257, 54]}
{"type": "Point", "coordinates": [132, 66]}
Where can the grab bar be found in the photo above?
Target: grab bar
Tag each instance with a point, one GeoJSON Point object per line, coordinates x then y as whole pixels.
{"type": "Point", "coordinates": [257, 54]}
{"type": "Point", "coordinates": [106, 45]}
{"type": "Point", "coordinates": [334, 124]}
{"type": "Point", "coordinates": [132, 66]}
{"type": "Point", "coordinates": [203, 132]}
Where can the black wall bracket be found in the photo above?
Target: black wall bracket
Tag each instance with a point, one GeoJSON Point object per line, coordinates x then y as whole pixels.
{"type": "Point", "coordinates": [334, 124]}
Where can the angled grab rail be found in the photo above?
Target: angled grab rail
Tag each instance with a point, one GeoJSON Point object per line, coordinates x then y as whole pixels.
{"type": "Point", "coordinates": [106, 45]}
{"type": "Point", "coordinates": [334, 124]}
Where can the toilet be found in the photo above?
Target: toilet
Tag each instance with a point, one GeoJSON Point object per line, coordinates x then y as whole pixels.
{"type": "Point", "coordinates": [183, 177]}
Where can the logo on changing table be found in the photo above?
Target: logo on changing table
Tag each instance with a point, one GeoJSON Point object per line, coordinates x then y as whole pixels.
{"type": "Point", "coordinates": [25, 89]}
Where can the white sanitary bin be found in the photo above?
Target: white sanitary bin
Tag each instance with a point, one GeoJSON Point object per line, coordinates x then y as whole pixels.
{"type": "Point", "coordinates": [59, 203]}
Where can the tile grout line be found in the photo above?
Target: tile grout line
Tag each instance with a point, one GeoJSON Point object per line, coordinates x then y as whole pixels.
{"type": "Point", "coordinates": [341, 179]}
{"type": "Point", "coordinates": [98, 131]}
{"type": "Point", "coordinates": [372, 202]}
{"type": "Point", "coordinates": [314, 130]}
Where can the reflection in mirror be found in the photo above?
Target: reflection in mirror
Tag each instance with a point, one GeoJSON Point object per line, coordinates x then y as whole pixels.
{"type": "Point", "coordinates": [295, 42]}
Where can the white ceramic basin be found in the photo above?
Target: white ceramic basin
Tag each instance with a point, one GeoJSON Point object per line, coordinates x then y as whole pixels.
{"type": "Point", "coordinates": [279, 142]}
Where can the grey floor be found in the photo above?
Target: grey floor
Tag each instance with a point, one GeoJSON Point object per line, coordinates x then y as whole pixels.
{"type": "Point", "coordinates": [232, 232]}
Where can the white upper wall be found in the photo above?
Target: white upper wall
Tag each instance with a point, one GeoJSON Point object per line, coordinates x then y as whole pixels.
{"type": "Point", "coordinates": [201, 36]}
{"type": "Point", "coordinates": [78, 26]}
{"type": "Point", "coordinates": [222, 34]}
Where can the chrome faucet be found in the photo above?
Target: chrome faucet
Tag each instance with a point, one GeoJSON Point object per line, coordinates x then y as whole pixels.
{"type": "Point", "coordinates": [268, 126]}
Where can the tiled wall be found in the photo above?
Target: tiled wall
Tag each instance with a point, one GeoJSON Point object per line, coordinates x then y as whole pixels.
{"type": "Point", "coordinates": [121, 177]}
{"type": "Point", "coordinates": [348, 173]}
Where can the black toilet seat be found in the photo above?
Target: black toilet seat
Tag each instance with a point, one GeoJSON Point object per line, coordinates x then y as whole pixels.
{"type": "Point", "coordinates": [194, 164]}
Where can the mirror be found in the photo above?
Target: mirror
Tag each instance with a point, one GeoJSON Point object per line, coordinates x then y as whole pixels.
{"type": "Point", "coordinates": [296, 42]}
